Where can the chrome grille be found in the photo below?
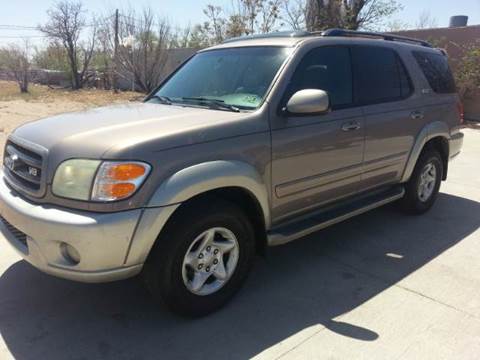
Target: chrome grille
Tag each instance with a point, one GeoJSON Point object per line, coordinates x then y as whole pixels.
{"type": "Point", "coordinates": [23, 168]}
{"type": "Point", "coordinates": [20, 236]}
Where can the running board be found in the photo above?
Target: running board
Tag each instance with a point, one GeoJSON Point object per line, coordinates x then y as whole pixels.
{"type": "Point", "coordinates": [322, 219]}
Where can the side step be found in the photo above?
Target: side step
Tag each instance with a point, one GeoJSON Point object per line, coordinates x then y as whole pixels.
{"type": "Point", "coordinates": [323, 218]}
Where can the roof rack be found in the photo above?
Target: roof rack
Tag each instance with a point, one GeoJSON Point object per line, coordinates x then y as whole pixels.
{"type": "Point", "coordinates": [330, 32]}
{"type": "Point", "coordinates": [278, 34]}
{"type": "Point", "coordinates": [389, 37]}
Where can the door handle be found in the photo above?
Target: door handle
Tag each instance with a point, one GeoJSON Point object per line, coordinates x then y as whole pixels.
{"type": "Point", "coordinates": [417, 115]}
{"type": "Point", "coordinates": [350, 126]}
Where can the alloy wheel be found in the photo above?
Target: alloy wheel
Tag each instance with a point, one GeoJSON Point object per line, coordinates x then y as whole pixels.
{"type": "Point", "coordinates": [210, 261]}
{"type": "Point", "coordinates": [428, 180]}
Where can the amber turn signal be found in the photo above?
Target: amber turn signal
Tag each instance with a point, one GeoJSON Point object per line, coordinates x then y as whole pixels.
{"type": "Point", "coordinates": [118, 180]}
{"type": "Point", "coordinates": [124, 172]}
{"type": "Point", "coordinates": [117, 190]}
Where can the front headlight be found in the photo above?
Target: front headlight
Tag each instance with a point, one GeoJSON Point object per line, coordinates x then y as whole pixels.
{"type": "Point", "coordinates": [99, 181]}
{"type": "Point", "coordinates": [73, 178]}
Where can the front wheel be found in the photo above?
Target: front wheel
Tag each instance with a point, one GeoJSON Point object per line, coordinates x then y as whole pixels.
{"type": "Point", "coordinates": [202, 258]}
{"type": "Point", "coordinates": [422, 189]}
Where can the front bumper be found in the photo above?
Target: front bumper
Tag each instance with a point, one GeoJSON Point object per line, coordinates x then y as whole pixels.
{"type": "Point", "coordinates": [102, 240]}
{"type": "Point", "coordinates": [455, 144]}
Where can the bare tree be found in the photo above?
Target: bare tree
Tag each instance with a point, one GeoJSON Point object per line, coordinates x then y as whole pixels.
{"type": "Point", "coordinates": [65, 25]}
{"type": "Point", "coordinates": [216, 26]}
{"type": "Point", "coordinates": [268, 12]}
{"type": "Point", "coordinates": [348, 14]}
{"type": "Point", "coordinates": [103, 57]}
{"type": "Point", "coordinates": [426, 21]}
{"type": "Point", "coordinates": [216, 29]}
{"type": "Point", "coordinates": [294, 12]}
{"type": "Point", "coordinates": [397, 25]}
{"type": "Point", "coordinates": [246, 17]}
{"type": "Point", "coordinates": [16, 60]}
{"type": "Point", "coordinates": [181, 38]}
{"type": "Point", "coordinates": [198, 38]}
{"type": "Point", "coordinates": [143, 53]}
{"type": "Point", "coordinates": [257, 16]}
{"type": "Point", "coordinates": [323, 14]}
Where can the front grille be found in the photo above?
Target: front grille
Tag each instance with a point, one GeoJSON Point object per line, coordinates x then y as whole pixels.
{"type": "Point", "coordinates": [20, 236]}
{"type": "Point", "coordinates": [23, 167]}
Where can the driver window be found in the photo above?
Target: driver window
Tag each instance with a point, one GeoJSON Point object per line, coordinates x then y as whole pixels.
{"type": "Point", "coordinates": [326, 68]}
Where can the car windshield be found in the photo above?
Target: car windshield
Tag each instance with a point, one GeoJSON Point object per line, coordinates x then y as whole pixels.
{"type": "Point", "coordinates": [232, 79]}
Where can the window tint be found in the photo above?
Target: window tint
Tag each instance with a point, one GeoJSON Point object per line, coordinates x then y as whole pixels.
{"type": "Point", "coordinates": [380, 76]}
{"type": "Point", "coordinates": [329, 69]}
{"type": "Point", "coordinates": [436, 70]}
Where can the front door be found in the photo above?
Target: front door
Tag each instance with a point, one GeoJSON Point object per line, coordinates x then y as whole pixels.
{"type": "Point", "coordinates": [317, 159]}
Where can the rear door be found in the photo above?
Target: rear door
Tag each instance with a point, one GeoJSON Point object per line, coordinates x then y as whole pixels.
{"type": "Point", "coordinates": [440, 99]}
{"type": "Point", "coordinates": [317, 159]}
{"type": "Point", "coordinates": [392, 111]}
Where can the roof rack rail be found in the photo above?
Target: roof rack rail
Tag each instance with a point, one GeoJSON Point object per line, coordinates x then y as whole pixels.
{"type": "Point", "coordinates": [389, 37]}
{"type": "Point", "coordinates": [278, 34]}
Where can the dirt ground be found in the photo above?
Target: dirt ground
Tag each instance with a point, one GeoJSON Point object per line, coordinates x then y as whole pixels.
{"type": "Point", "coordinates": [17, 109]}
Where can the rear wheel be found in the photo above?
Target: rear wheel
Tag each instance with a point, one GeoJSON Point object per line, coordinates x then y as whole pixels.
{"type": "Point", "coordinates": [201, 258]}
{"type": "Point", "coordinates": [423, 187]}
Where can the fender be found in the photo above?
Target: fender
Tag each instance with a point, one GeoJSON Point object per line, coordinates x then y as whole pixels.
{"type": "Point", "coordinates": [428, 132]}
{"type": "Point", "coordinates": [203, 177]}
{"type": "Point", "coordinates": [184, 185]}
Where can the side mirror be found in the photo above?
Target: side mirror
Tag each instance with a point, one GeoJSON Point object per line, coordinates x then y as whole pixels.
{"type": "Point", "coordinates": [309, 101]}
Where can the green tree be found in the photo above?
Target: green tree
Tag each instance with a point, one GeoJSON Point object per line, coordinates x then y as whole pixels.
{"type": "Point", "coordinates": [52, 57]}
{"type": "Point", "coordinates": [467, 70]}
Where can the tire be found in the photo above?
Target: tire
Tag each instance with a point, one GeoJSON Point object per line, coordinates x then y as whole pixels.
{"type": "Point", "coordinates": [413, 202]}
{"type": "Point", "coordinates": [168, 274]}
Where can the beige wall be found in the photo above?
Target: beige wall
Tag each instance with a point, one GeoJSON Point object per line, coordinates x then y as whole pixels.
{"type": "Point", "coordinates": [472, 106]}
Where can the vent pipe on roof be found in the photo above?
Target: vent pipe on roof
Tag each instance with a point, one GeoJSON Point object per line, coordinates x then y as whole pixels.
{"type": "Point", "coordinates": [458, 21]}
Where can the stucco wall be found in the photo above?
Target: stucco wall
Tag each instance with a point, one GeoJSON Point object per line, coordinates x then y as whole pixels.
{"type": "Point", "coordinates": [472, 106]}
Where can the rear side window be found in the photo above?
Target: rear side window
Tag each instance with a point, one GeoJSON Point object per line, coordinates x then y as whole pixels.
{"type": "Point", "coordinates": [436, 70]}
{"type": "Point", "coordinates": [380, 75]}
{"type": "Point", "coordinates": [326, 68]}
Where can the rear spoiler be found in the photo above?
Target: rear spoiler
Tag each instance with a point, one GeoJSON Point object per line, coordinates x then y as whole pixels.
{"type": "Point", "coordinates": [443, 51]}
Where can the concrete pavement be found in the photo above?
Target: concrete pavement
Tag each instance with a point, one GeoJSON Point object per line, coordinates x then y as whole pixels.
{"type": "Point", "coordinates": [379, 286]}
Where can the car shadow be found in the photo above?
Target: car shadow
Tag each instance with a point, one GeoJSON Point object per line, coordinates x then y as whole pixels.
{"type": "Point", "coordinates": [302, 284]}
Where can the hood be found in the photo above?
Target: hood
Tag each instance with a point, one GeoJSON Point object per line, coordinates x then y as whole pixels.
{"type": "Point", "coordinates": [118, 131]}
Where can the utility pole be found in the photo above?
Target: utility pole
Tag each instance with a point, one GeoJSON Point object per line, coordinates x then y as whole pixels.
{"type": "Point", "coordinates": [115, 54]}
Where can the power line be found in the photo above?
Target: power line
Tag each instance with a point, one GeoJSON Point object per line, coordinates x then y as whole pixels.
{"type": "Point", "coordinates": [16, 27]}
{"type": "Point", "coordinates": [13, 27]}
{"type": "Point", "coordinates": [22, 37]}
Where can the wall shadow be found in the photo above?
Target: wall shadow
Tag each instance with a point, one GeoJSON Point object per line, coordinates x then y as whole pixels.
{"type": "Point", "coordinates": [305, 283]}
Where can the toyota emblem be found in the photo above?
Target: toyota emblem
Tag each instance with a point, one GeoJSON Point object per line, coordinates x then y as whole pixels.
{"type": "Point", "coordinates": [10, 161]}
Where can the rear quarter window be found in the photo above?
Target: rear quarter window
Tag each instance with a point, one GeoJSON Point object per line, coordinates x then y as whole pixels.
{"type": "Point", "coordinates": [436, 70]}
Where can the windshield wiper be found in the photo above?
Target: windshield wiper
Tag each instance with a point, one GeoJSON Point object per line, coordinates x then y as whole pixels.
{"type": "Point", "coordinates": [219, 104]}
{"type": "Point", "coordinates": [163, 99]}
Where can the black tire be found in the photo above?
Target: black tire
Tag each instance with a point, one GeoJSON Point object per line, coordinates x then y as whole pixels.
{"type": "Point", "coordinates": [411, 203]}
{"type": "Point", "coordinates": [162, 272]}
